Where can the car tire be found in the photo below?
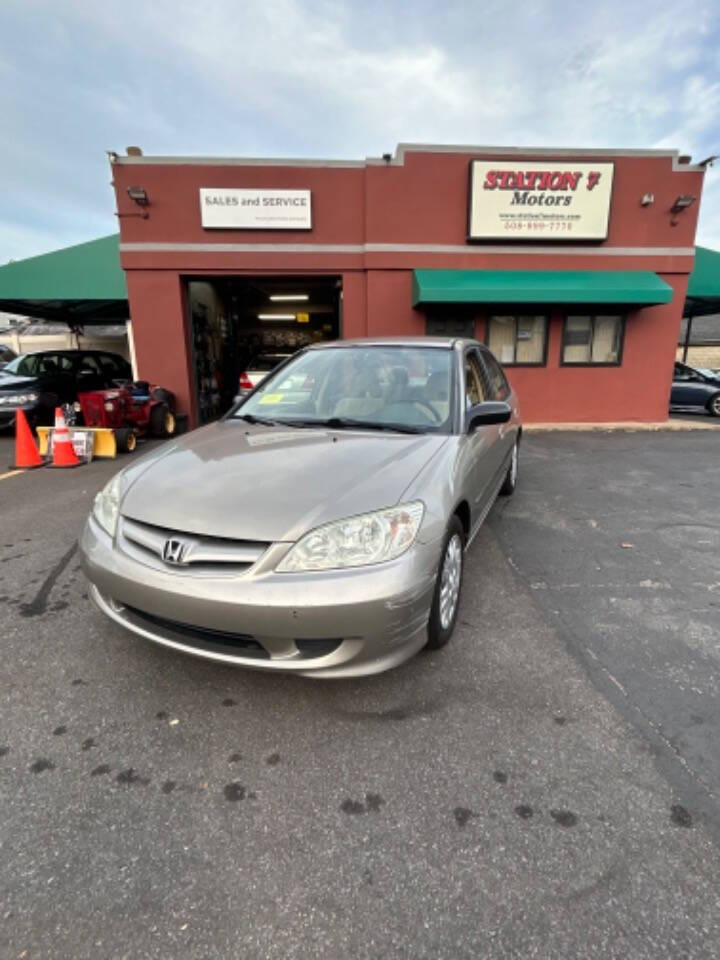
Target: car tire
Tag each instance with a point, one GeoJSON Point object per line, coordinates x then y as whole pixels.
{"type": "Point", "coordinates": [125, 439]}
{"type": "Point", "coordinates": [713, 406]}
{"type": "Point", "coordinates": [162, 421]}
{"type": "Point", "coordinates": [510, 481]}
{"type": "Point", "coordinates": [163, 395]}
{"type": "Point", "coordinates": [446, 599]}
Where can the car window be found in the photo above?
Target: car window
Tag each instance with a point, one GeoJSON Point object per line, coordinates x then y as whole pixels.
{"type": "Point", "coordinates": [499, 387]}
{"type": "Point", "coordinates": [267, 361]}
{"type": "Point", "coordinates": [48, 364]}
{"type": "Point", "coordinates": [26, 366]}
{"type": "Point", "coordinates": [405, 386]}
{"type": "Point", "coordinates": [89, 363]}
{"type": "Point", "coordinates": [474, 387]}
{"type": "Point", "coordinates": [115, 368]}
{"type": "Point", "coordinates": [683, 372]}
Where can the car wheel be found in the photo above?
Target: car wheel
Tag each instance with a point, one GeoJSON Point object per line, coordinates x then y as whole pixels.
{"type": "Point", "coordinates": [125, 439]}
{"type": "Point", "coordinates": [446, 599]}
{"type": "Point", "coordinates": [162, 421]}
{"type": "Point", "coordinates": [511, 476]}
{"type": "Point", "coordinates": [713, 407]}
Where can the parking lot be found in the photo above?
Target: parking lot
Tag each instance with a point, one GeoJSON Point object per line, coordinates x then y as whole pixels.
{"type": "Point", "coordinates": [546, 786]}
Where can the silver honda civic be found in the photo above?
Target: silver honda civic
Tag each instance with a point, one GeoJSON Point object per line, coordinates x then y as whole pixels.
{"type": "Point", "coordinates": [321, 526]}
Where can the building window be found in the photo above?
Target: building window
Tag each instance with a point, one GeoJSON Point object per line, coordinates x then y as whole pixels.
{"type": "Point", "coordinates": [436, 326]}
{"type": "Point", "coordinates": [519, 340]}
{"type": "Point", "coordinates": [593, 340]}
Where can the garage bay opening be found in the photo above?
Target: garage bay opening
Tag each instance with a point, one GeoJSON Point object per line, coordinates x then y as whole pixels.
{"type": "Point", "coordinates": [241, 328]}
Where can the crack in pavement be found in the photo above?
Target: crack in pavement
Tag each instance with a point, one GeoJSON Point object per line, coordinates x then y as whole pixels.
{"type": "Point", "coordinates": [668, 755]}
{"type": "Point", "coordinates": [655, 728]}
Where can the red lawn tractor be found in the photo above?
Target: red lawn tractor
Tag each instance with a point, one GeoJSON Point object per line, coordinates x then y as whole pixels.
{"type": "Point", "coordinates": [129, 410]}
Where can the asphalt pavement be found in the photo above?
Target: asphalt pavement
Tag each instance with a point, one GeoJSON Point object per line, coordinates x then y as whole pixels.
{"type": "Point", "coordinates": [546, 786]}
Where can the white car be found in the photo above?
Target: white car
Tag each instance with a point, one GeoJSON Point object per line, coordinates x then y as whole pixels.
{"type": "Point", "coordinates": [259, 368]}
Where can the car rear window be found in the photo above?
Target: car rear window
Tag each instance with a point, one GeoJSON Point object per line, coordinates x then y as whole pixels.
{"type": "Point", "coordinates": [267, 361]}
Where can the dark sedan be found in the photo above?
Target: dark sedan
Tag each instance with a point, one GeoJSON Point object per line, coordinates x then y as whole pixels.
{"type": "Point", "coordinates": [695, 389]}
{"type": "Point", "coordinates": [39, 382]}
{"type": "Point", "coordinates": [6, 355]}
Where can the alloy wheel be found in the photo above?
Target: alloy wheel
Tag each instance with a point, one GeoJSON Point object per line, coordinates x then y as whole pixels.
{"type": "Point", "coordinates": [450, 580]}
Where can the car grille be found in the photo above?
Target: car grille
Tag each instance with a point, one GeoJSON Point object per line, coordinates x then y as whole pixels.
{"type": "Point", "coordinates": [187, 552]}
{"type": "Point", "coordinates": [202, 638]}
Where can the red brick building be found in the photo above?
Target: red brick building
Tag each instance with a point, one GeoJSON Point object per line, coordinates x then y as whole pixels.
{"type": "Point", "coordinates": [571, 264]}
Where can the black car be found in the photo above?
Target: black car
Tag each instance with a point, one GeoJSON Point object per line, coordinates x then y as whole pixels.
{"type": "Point", "coordinates": [6, 355]}
{"type": "Point", "coordinates": [698, 389]}
{"type": "Point", "coordinates": [39, 382]}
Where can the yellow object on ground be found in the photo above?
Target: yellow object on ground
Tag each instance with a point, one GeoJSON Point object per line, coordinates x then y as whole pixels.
{"type": "Point", "coordinates": [104, 442]}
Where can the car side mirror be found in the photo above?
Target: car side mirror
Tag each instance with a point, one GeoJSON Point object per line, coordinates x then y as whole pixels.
{"type": "Point", "coordinates": [486, 414]}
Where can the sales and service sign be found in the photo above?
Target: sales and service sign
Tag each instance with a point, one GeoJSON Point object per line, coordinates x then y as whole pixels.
{"type": "Point", "coordinates": [241, 209]}
{"type": "Point", "coordinates": [523, 200]}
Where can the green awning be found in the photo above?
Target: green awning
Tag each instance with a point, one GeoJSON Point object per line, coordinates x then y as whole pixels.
{"type": "Point", "coordinates": [641, 287]}
{"type": "Point", "coordinates": [75, 285]}
{"type": "Point", "coordinates": [703, 293]}
{"type": "Point", "coordinates": [705, 279]}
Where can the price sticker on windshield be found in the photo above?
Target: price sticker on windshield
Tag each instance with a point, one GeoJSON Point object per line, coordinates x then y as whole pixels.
{"type": "Point", "coordinates": [272, 398]}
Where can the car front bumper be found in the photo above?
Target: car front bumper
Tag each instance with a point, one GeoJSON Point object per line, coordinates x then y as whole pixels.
{"type": "Point", "coordinates": [8, 413]}
{"type": "Point", "coordinates": [339, 623]}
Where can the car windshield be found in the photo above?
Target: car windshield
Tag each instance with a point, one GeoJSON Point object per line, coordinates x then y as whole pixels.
{"type": "Point", "coordinates": [405, 388]}
{"type": "Point", "coordinates": [25, 366]}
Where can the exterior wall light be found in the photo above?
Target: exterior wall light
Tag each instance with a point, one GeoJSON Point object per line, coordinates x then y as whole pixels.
{"type": "Point", "coordinates": [139, 195]}
{"type": "Point", "coordinates": [682, 202]}
{"type": "Point", "coordinates": [647, 200]}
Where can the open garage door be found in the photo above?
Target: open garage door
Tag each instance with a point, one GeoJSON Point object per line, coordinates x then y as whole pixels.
{"type": "Point", "coordinates": [241, 327]}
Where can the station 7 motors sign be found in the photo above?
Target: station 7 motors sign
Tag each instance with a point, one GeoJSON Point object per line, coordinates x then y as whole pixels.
{"type": "Point", "coordinates": [512, 200]}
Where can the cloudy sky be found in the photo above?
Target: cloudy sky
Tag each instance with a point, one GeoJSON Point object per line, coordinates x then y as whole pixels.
{"type": "Point", "coordinates": [333, 78]}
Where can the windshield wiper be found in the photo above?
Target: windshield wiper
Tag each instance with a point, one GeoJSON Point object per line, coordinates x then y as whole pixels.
{"type": "Point", "coordinates": [251, 418]}
{"type": "Point", "coordinates": [346, 423]}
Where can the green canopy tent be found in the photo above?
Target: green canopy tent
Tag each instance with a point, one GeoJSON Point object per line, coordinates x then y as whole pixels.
{"type": "Point", "coordinates": [703, 293]}
{"type": "Point", "coordinates": [80, 285]}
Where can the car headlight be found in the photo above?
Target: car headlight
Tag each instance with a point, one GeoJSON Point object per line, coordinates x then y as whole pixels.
{"type": "Point", "coordinates": [18, 399]}
{"type": "Point", "coordinates": [106, 507]}
{"type": "Point", "coordinates": [356, 541]}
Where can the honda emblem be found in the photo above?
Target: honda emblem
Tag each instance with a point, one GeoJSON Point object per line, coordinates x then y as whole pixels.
{"type": "Point", "coordinates": [173, 551]}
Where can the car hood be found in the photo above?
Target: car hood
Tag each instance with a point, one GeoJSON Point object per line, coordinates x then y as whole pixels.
{"type": "Point", "coordinates": [10, 383]}
{"type": "Point", "coordinates": [249, 482]}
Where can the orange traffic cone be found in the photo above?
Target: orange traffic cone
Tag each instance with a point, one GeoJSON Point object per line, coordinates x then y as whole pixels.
{"type": "Point", "coordinates": [26, 453]}
{"type": "Point", "coordinates": [62, 448]}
